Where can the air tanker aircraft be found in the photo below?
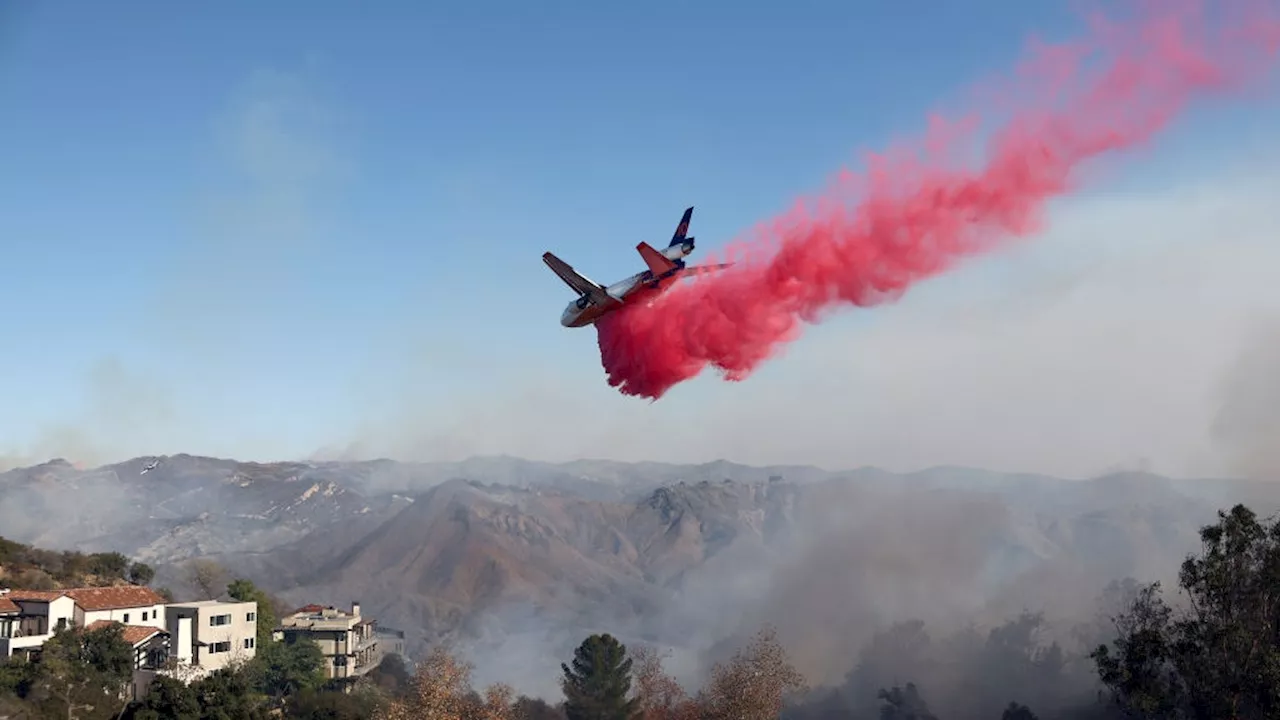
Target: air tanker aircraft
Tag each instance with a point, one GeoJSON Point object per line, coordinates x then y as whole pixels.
{"type": "Point", "coordinates": [597, 300]}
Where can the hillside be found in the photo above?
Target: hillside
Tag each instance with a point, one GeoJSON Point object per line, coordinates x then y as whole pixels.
{"type": "Point", "coordinates": [517, 559]}
{"type": "Point", "coordinates": [32, 568]}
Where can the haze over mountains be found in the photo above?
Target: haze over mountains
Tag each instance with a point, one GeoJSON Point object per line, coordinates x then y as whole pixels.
{"type": "Point", "coordinates": [529, 556]}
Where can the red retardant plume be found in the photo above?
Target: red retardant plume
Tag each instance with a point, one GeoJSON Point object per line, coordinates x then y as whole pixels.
{"type": "Point", "coordinates": [912, 215]}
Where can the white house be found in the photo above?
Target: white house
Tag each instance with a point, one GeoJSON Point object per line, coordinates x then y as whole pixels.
{"type": "Point", "coordinates": [42, 613]}
{"type": "Point", "coordinates": [211, 634]}
{"type": "Point", "coordinates": [39, 615]}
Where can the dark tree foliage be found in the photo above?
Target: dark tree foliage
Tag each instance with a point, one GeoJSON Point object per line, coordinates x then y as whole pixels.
{"type": "Point", "coordinates": [598, 684]}
{"type": "Point", "coordinates": [141, 574]}
{"type": "Point", "coordinates": [904, 703]}
{"type": "Point", "coordinates": [166, 699]}
{"type": "Point", "coordinates": [1218, 658]}
{"type": "Point", "coordinates": [1018, 712]}
{"type": "Point", "coordinates": [281, 669]}
{"type": "Point", "coordinates": [531, 708]}
{"type": "Point", "coordinates": [317, 705]}
{"type": "Point", "coordinates": [32, 568]}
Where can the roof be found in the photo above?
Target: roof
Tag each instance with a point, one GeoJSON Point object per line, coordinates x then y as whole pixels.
{"type": "Point", "coordinates": [207, 603]}
{"type": "Point", "coordinates": [309, 609]}
{"type": "Point", "coordinates": [33, 595]}
{"type": "Point", "coordinates": [132, 634]}
{"type": "Point", "coordinates": [8, 606]}
{"type": "Point", "coordinates": [115, 598]}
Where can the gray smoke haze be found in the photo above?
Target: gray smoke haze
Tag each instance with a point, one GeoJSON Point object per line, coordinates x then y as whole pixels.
{"type": "Point", "coordinates": [1248, 424]}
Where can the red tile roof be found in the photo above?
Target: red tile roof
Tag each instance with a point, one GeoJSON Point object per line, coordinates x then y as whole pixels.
{"type": "Point", "coordinates": [115, 598]}
{"type": "Point", "coordinates": [34, 595]}
{"type": "Point", "coordinates": [7, 606]}
{"type": "Point", "coordinates": [132, 634]}
{"type": "Point", "coordinates": [309, 609]}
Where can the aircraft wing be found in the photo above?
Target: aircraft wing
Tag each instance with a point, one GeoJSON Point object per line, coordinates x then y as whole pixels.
{"type": "Point", "coordinates": [658, 263]}
{"type": "Point", "coordinates": [580, 283]}
{"type": "Point", "coordinates": [695, 270]}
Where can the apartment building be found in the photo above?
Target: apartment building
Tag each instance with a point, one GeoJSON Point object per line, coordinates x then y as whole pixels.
{"type": "Point", "coordinates": [348, 641]}
{"type": "Point", "coordinates": [211, 634]}
{"type": "Point", "coordinates": [39, 614]}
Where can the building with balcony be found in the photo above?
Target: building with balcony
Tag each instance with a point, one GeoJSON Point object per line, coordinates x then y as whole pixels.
{"type": "Point", "coordinates": [349, 642]}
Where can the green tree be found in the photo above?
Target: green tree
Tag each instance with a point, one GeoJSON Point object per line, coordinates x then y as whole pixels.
{"type": "Point", "coordinates": [1220, 656]}
{"type": "Point", "coordinates": [108, 565]}
{"type": "Point", "coordinates": [281, 669]}
{"type": "Point", "coordinates": [313, 704]}
{"type": "Point", "coordinates": [245, 591]}
{"type": "Point", "coordinates": [227, 694]}
{"type": "Point", "coordinates": [167, 699]}
{"type": "Point", "coordinates": [597, 685]}
{"type": "Point", "coordinates": [141, 574]}
{"type": "Point", "coordinates": [79, 667]}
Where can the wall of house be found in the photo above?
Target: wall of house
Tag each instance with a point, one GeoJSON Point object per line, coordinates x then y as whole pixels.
{"type": "Point", "coordinates": [148, 615]}
{"type": "Point", "coordinates": [230, 642]}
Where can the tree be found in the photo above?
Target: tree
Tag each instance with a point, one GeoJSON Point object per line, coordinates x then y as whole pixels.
{"type": "Point", "coordinates": [598, 683]}
{"type": "Point", "coordinates": [1018, 712]}
{"type": "Point", "coordinates": [1220, 656]}
{"type": "Point", "coordinates": [141, 574]}
{"type": "Point", "coordinates": [497, 703]}
{"type": "Point", "coordinates": [79, 667]}
{"type": "Point", "coordinates": [904, 704]}
{"type": "Point", "coordinates": [753, 684]}
{"type": "Point", "coordinates": [658, 695]}
{"type": "Point", "coordinates": [281, 669]}
{"type": "Point", "coordinates": [440, 689]}
{"type": "Point", "coordinates": [108, 565]}
{"type": "Point", "coordinates": [245, 591]}
{"type": "Point", "coordinates": [206, 577]}
{"type": "Point", "coordinates": [167, 699]}
{"type": "Point", "coordinates": [226, 694]}
{"type": "Point", "coordinates": [529, 708]}
{"type": "Point", "coordinates": [317, 705]}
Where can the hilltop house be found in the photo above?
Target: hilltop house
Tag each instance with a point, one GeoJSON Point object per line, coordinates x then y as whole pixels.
{"type": "Point", "coordinates": [348, 641]}
{"type": "Point", "coordinates": [41, 613]}
{"type": "Point", "coordinates": [211, 634]}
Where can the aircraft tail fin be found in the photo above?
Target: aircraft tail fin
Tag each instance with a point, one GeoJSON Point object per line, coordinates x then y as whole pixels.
{"type": "Point", "coordinates": [657, 263]}
{"type": "Point", "coordinates": [682, 230]}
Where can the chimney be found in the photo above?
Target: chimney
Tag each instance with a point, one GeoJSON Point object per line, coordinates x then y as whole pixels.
{"type": "Point", "coordinates": [355, 608]}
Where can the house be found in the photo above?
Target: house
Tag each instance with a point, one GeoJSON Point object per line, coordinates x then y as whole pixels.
{"type": "Point", "coordinates": [127, 605]}
{"type": "Point", "coordinates": [39, 614]}
{"type": "Point", "coordinates": [42, 613]}
{"type": "Point", "coordinates": [29, 618]}
{"type": "Point", "coordinates": [211, 634]}
{"type": "Point", "coordinates": [150, 652]}
{"type": "Point", "coordinates": [348, 641]}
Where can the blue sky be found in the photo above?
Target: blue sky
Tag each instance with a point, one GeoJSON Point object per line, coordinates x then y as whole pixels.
{"type": "Point", "coordinates": [267, 223]}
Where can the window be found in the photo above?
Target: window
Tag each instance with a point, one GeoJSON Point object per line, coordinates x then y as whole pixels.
{"type": "Point", "coordinates": [339, 660]}
{"type": "Point", "coordinates": [216, 620]}
{"type": "Point", "coordinates": [248, 643]}
{"type": "Point", "coordinates": [126, 618]}
{"type": "Point", "coordinates": [220, 647]}
{"type": "Point", "coordinates": [144, 616]}
{"type": "Point", "coordinates": [251, 617]}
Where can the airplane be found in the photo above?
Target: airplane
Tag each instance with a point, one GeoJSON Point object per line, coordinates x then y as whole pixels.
{"type": "Point", "coordinates": [150, 466]}
{"type": "Point", "coordinates": [595, 300]}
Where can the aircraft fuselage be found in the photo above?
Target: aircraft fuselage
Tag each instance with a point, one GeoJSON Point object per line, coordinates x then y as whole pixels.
{"type": "Point", "coordinates": [583, 312]}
